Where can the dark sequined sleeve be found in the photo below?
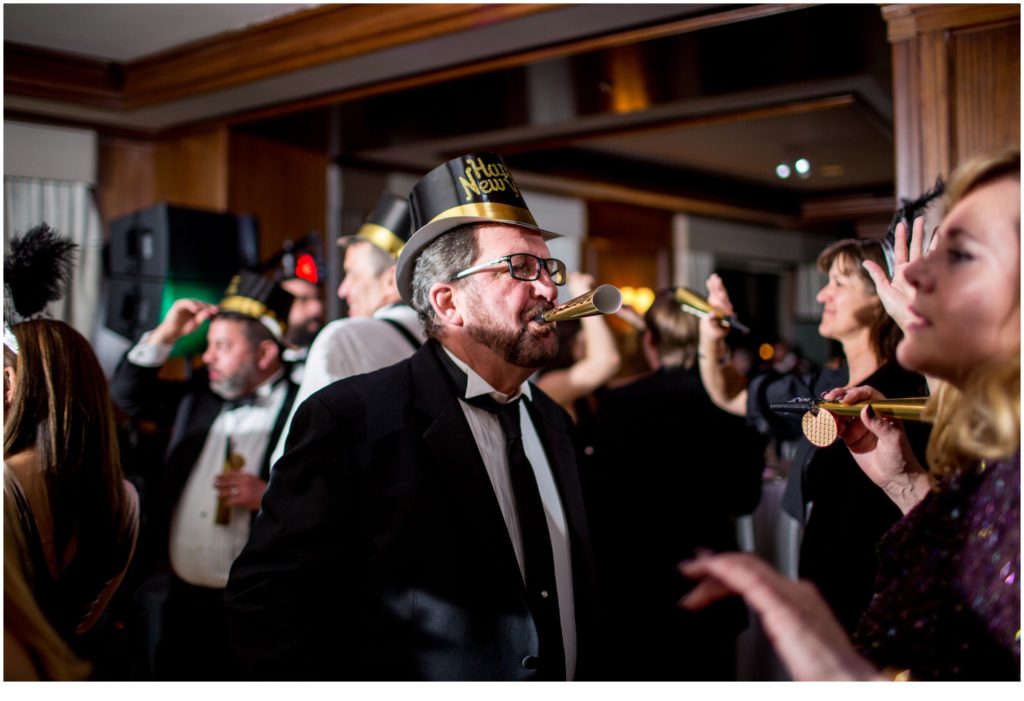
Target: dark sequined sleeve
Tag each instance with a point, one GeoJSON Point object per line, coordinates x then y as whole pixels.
{"type": "Point", "coordinates": [989, 562]}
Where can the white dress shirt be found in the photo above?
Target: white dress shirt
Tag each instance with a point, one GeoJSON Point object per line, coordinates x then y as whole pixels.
{"type": "Point", "coordinates": [202, 551]}
{"type": "Point", "coordinates": [490, 440]}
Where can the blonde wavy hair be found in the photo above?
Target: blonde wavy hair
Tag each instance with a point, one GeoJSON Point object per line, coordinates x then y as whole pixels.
{"type": "Point", "coordinates": [981, 421]}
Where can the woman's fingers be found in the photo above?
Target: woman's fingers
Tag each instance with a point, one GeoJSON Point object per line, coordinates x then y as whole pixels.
{"type": "Point", "coordinates": [916, 239]}
{"type": "Point", "coordinates": [900, 247]}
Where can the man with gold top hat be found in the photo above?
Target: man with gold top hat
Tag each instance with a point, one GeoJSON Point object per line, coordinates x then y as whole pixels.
{"type": "Point", "coordinates": [426, 520]}
{"type": "Point", "coordinates": [226, 418]}
{"type": "Point", "coordinates": [380, 328]}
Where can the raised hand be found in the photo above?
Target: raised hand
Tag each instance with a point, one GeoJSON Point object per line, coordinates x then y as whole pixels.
{"type": "Point", "coordinates": [184, 317]}
{"type": "Point", "coordinates": [711, 331]}
{"type": "Point", "coordinates": [895, 295]}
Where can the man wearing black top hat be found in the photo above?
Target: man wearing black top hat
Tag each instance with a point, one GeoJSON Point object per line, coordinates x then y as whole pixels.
{"type": "Point", "coordinates": [426, 520]}
{"type": "Point", "coordinates": [226, 419]}
{"type": "Point", "coordinates": [380, 329]}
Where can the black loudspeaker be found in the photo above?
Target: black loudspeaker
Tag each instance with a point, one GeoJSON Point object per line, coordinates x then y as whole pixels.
{"type": "Point", "coordinates": [167, 241]}
{"type": "Point", "coordinates": [164, 253]}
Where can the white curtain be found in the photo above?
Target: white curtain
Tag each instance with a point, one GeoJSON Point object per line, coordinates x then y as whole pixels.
{"type": "Point", "coordinates": [69, 208]}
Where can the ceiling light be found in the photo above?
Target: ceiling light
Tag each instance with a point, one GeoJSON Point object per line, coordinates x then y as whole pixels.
{"type": "Point", "coordinates": [803, 167]}
{"type": "Point", "coordinates": [782, 171]}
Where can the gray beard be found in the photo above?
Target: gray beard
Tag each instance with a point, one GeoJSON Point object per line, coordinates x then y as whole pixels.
{"type": "Point", "coordinates": [231, 387]}
{"type": "Point", "coordinates": [523, 348]}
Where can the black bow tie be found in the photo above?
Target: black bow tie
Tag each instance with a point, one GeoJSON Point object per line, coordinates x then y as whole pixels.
{"type": "Point", "coordinates": [251, 399]}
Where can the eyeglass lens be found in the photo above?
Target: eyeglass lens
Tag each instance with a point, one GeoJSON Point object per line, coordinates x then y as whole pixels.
{"type": "Point", "coordinates": [525, 266]}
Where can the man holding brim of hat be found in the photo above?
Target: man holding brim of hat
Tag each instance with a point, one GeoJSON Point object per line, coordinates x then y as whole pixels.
{"type": "Point", "coordinates": [426, 520]}
{"type": "Point", "coordinates": [225, 419]}
{"type": "Point", "coordinates": [380, 329]}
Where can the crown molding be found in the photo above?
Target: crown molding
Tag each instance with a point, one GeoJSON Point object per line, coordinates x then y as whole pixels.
{"type": "Point", "coordinates": [300, 40]}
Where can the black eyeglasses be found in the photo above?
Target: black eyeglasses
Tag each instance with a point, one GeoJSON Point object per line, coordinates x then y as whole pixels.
{"type": "Point", "coordinates": [523, 266]}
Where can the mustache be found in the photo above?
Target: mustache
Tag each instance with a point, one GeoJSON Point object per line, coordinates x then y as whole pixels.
{"type": "Point", "coordinates": [535, 311]}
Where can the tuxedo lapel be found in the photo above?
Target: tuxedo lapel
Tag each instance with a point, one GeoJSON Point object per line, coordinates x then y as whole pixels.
{"type": "Point", "coordinates": [451, 442]}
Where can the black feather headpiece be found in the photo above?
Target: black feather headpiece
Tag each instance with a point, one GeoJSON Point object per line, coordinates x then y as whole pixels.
{"type": "Point", "coordinates": [36, 271]}
{"type": "Point", "coordinates": [909, 211]}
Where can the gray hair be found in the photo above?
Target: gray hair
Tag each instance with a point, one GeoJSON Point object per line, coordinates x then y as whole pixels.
{"type": "Point", "coordinates": [379, 259]}
{"type": "Point", "coordinates": [440, 262]}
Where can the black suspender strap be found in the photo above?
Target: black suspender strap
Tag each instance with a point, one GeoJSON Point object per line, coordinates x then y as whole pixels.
{"type": "Point", "coordinates": [275, 434]}
{"type": "Point", "coordinates": [413, 341]}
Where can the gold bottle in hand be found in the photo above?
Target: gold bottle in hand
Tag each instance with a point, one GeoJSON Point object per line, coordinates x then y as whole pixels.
{"type": "Point", "coordinates": [232, 463]}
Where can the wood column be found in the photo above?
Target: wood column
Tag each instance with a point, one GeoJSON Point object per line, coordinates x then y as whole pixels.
{"type": "Point", "coordinates": [956, 86]}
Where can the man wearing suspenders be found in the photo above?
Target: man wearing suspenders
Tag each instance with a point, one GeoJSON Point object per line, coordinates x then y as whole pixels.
{"type": "Point", "coordinates": [380, 329]}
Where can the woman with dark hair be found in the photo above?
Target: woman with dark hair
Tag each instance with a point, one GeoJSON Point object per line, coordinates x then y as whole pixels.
{"type": "Point", "coordinates": [844, 514]}
{"type": "Point", "coordinates": [79, 517]}
{"type": "Point", "coordinates": [947, 601]}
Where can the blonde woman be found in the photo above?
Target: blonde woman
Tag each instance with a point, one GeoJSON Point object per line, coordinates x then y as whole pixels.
{"type": "Point", "coordinates": [947, 604]}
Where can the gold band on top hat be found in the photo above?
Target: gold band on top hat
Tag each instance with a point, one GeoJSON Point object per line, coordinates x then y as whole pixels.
{"type": "Point", "coordinates": [488, 210]}
{"type": "Point", "coordinates": [383, 238]}
{"type": "Point", "coordinates": [248, 306]}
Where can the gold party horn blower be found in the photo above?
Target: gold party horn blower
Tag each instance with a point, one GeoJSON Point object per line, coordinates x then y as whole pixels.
{"type": "Point", "coordinates": [605, 299]}
{"type": "Point", "coordinates": [698, 306]}
{"type": "Point", "coordinates": [819, 422]}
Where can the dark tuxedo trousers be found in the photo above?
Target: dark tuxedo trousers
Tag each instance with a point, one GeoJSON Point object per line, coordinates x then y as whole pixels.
{"type": "Point", "coordinates": [381, 552]}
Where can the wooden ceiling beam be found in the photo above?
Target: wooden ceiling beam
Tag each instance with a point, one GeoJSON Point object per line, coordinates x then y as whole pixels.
{"type": "Point", "coordinates": [297, 41]}
{"type": "Point", "coordinates": [52, 75]}
{"type": "Point", "coordinates": [303, 40]}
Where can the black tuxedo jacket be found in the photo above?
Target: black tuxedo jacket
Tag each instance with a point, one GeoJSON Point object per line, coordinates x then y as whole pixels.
{"type": "Point", "coordinates": [381, 552]}
{"type": "Point", "coordinates": [190, 408]}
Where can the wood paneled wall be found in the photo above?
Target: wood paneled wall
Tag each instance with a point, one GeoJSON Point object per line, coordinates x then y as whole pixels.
{"type": "Point", "coordinates": [956, 86]}
{"type": "Point", "coordinates": [190, 171]}
{"type": "Point", "coordinates": [220, 170]}
{"type": "Point", "coordinates": [126, 177]}
{"type": "Point", "coordinates": [284, 186]}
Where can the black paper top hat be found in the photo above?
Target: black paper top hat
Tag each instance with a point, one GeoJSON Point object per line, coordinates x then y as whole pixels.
{"type": "Point", "coordinates": [477, 187]}
{"type": "Point", "coordinates": [298, 260]}
{"type": "Point", "coordinates": [261, 298]}
{"type": "Point", "coordinates": [388, 227]}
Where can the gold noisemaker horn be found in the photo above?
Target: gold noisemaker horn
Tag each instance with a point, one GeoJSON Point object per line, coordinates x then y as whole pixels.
{"type": "Point", "coordinates": [605, 299]}
{"type": "Point", "coordinates": [698, 306]}
{"type": "Point", "coordinates": [819, 422]}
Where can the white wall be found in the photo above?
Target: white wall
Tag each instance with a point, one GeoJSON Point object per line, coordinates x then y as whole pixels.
{"type": "Point", "coordinates": [51, 153]}
{"type": "Point", "coordinates": [752, 245]}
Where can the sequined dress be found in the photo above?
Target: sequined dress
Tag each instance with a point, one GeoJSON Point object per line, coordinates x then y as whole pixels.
{"type": "Point", "coordinates": [948, 591]}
